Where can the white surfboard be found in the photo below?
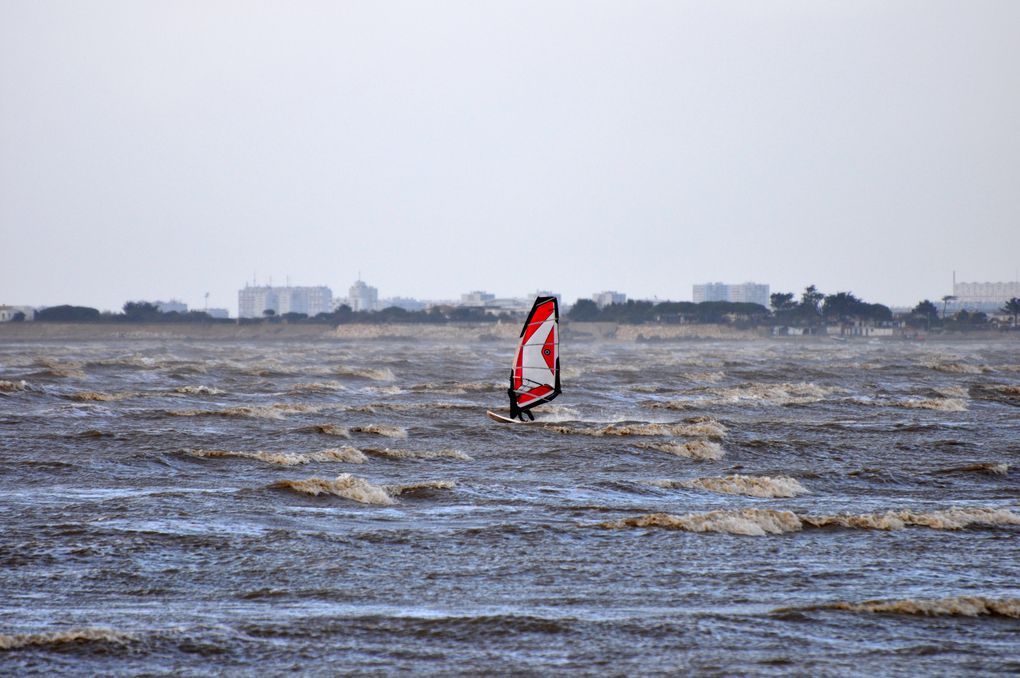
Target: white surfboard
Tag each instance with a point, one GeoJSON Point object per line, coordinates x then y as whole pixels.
{"type": "Point", "coordinates": [503, 420]}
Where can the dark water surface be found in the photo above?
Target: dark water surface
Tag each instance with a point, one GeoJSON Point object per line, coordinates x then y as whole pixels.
{"type": "Point", "coordinates": [720, 508]}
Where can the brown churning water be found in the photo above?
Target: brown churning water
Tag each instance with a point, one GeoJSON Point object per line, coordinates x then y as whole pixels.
{"type": "Point", "coordinates": [727, 508]}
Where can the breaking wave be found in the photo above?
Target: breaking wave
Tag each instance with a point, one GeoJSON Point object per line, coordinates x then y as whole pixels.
{"type": "Point", "coordinates": [754, 394]}
{"type": "Point", "coordinates": [955, 367]}
{"type": "Point", "coordinates": [953, 392]}
{"type": "Point", "coordinates": [98, 396]}
{"type": "Point", "coordinates": [418, 454]}
{"type": "Point", "coordinates": [456, 388]}
{"type": "Point", "coordinates": [701, 450]}
{"type": "Point", "coordinates": [946, 519]}
{"type": "Point", "coordinates": [276, 411]}
{"type": "Point", "coordinates": [384, 374]}
{"type": "Point", "coordinates": [344, 485]}
{"type": "Point", "coordinates": [16, 641]}
{"type": "Point", "coordinates": [940, 404]}
{"type": "Point", "coordinates": [14, 386]}
{"type": "Point", "coordinates": [955, 606]}
{"type": "Point", "coordinates": [54, 368]}
{"type": "Point", "coordinates": [758, 522]}
{"type": "Point", "coordinates": [990, 467]}
{"type": "Point", "coordinates": [750, 522]}
{"type": "Point", "coordinates": [701, 426]}
{"type": "Point", "coordinates": [346, 454]}
{"type": "Point", "coordinates": [749, 486]}
{"type": "Point", "coordinates": [317, 387]}
{"type": "Point", "coordinates": [329, 430]}
{"type": "Point", "coordinates": [380, 430]}
{"type": "Point", "coordinates": [198, 390]}
{"type": "Point", "coordinates": [360, 490]}
{"type": "Point", "coordinates": [412, 488]}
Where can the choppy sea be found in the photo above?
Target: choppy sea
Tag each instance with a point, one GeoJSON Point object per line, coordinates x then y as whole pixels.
{"type": "Point", "coordinates": [345, 507]}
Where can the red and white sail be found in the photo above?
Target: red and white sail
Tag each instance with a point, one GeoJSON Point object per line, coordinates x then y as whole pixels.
{"type": "Point", "coordinates": [535, 377]}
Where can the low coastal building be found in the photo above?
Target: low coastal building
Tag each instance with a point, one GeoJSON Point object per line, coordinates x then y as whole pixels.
{"type": "Point", "coordinates": [16, 313]}
{"type": "Point", "coordinates": [171, 306]}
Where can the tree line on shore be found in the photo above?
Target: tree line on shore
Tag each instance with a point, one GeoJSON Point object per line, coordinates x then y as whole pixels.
{"type": "Point", "coordinates": [813, 309]}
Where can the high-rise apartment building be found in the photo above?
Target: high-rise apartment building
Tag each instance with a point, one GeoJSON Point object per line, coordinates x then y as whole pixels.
{"type": "Point", "coordinates": [254, 300]}
{"type": "Point", "coordinates": [362, 297]}
{"type": "Point", "coordinates": [607, 298]}
{"type": "Point", "coordinates": [749, 292]}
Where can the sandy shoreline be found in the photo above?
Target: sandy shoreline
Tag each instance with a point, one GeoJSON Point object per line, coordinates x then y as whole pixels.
{"type": "Point", "coordinates": [38, 331]}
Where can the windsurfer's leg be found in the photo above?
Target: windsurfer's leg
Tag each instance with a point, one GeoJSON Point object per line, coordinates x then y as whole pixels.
{"type": "Point", "coordinates": [515, 411]}
{"type": "Point", "coordinates": [530, 415]}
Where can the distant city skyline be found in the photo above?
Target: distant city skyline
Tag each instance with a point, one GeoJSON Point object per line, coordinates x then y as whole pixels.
{"type": "Point", "coordinates": [252, 298]}
{"type": "Point", "coordinates": [158, 150]}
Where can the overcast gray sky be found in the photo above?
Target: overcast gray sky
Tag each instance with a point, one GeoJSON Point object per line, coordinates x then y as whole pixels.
{"type": "Point", "coordinates": [166, 149]}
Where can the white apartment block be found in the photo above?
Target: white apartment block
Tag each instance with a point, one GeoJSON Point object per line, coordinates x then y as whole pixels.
{"type": "Point", "coordinates": [254, 300]}
{"type": "Point", "coordinates": [749, 292]}
{"type": "Point", "coordinates": [476, 298]}
{"type": "Point", "coordinates": [362, 297]}
{"type": "Point", "coordinates": [985, 296]}
{"type": "Point", "coordinates": [607, 298]}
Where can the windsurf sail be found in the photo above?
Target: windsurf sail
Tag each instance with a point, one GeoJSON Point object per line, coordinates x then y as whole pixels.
{"type": "Point", "coordinates": [535, 376]}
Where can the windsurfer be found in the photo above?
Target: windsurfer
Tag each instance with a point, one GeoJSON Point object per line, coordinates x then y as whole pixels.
{"type": "Point", "coordinates": [516, 412]}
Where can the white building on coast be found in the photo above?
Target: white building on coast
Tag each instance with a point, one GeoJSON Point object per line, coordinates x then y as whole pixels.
{"type": "Point", "coordinates": [254, 300]}
{"type": "Point", "coordinates": [749, 292]}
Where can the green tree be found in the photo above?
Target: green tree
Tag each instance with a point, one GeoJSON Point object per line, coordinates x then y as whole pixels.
{"type": "Point", "coordinates": [67, 313]}
{"type": "Point", "coordinates": [945, 301]}
{"type": "Point", "coordinates": [782, 301]}
{"type": "Point", "coordinates": [843, 307]}
{"type": "Point", "coordinates": [926, 311]}
{"type": "Point", "coordinates": [807, 309]}
{"type": "Point", "coordinates": [1012, 307]}
{"type": "Point", "coordinates": [585, 310]}
{"type": "Point", "coordinates": [142, 310]}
